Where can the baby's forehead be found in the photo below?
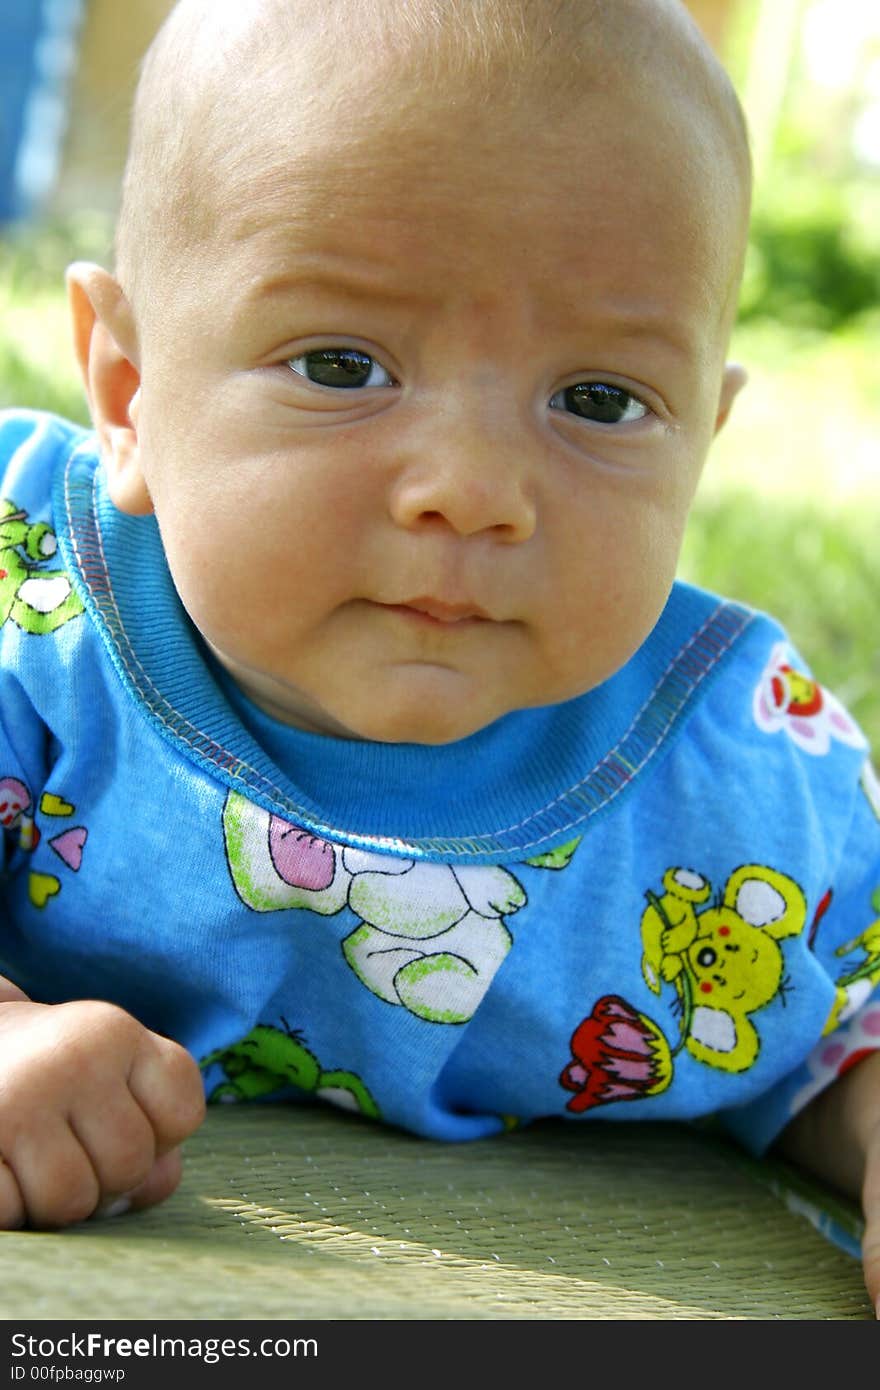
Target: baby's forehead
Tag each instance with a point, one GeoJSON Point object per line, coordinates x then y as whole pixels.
{"type": "Point", "coordinates": [581, 70]}
{"type": "Point", "coordinates": [233, 91]}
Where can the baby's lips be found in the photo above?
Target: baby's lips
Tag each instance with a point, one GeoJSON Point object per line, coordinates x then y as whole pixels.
{"type": "Point", "coordinates": [444, 612]}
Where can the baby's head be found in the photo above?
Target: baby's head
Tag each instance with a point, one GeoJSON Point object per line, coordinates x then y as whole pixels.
{"type": "Point", "coordinates": [417, 342]}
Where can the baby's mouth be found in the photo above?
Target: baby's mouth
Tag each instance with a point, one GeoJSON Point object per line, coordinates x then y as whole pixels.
{"type": "Point", "coordinates": [439, 612]}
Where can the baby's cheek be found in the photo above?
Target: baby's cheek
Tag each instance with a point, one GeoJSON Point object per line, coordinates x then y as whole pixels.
{"type": "Point", "coordinates": [594, 628]}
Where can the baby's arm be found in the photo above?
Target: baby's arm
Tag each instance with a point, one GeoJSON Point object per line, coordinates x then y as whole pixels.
{"type": "Point", "coordinates": [93, 1108]}
{"type": "Point", "coordinates": [837, 1137]}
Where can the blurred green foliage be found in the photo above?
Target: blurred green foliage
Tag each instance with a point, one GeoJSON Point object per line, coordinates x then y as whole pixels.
{"type": "Point", "coordinates": [22, 382]}
{"type": "Point", "coordinates": [814, 254]}
{"type": "Point", "coordinates": [37, 367]}
{"type": "Point", "coordinates": [815, 569]}
{"type": "Point", "coordinates": [812, 264]}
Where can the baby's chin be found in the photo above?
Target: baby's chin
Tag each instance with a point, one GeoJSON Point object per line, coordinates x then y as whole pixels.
{"type": "Point", "coordinates": [415, 718]}
{"type": "Point", "coordinates": [414, 702]}
{"type": "Point", "coordinates": [434, 728]}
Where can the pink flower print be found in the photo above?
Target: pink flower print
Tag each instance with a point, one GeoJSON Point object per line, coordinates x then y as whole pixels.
{"type": "Point", "coordinates": [15, 807]}
{"type": "Point", "coordinates": [15, 800]}
{"type": "Point", "coordinates": [789, 701]}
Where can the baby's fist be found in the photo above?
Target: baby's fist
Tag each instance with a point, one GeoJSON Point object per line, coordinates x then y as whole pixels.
{"type": "Point", "coordinates": [93, 1107]}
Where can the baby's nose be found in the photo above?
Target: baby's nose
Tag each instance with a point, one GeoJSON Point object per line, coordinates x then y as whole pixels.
{"type": "Point", "coordinates": [470, 481]}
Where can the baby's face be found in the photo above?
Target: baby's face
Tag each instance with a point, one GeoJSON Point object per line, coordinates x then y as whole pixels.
{"type": "Point", "coordinates": [422, 424]}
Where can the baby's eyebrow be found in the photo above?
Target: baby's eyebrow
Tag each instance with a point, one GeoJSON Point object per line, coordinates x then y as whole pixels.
{"type": "Point", "coordinates": [651, 325]}
{"type": "Point", "coordinates": [347, 284]}
{"type": "Point", "coordinates": [654, 328]}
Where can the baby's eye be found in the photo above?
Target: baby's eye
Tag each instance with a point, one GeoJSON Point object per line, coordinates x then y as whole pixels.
{"type": "Point", "coordinates": [340, 367]}
{"type": "Point", "coordinates": [600, 402]}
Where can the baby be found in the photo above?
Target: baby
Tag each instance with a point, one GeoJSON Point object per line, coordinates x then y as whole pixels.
{"type": "Point", "coordinates": [356, 740]}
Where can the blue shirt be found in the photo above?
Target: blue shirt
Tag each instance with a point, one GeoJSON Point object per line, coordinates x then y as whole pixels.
{"type": "Point", "coordinates": [656, 901]}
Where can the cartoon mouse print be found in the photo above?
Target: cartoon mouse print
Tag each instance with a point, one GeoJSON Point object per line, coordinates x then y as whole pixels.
{"type": "Point", "coordinates": [724, 962]}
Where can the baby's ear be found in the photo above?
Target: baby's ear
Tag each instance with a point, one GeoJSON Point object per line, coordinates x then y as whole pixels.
{"type": "Point", "coordinates": [733, 381]}
{"type": "Point", "coordinates": [105, 342]}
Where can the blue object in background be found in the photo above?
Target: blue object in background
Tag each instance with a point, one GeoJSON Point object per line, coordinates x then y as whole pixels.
{"type": "Point", "coordinates": [37, 53]}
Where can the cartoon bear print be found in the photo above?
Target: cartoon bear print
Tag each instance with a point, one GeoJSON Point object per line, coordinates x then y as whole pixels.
{"type": "Point", "coordinates": [429, 937]}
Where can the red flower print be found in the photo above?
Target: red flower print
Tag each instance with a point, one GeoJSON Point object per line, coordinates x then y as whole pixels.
{"type": "Point", "coordinates": [619, 1054]}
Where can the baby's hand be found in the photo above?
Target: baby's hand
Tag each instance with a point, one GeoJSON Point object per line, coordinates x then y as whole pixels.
{"type": "Point", "coordinates": [871, 1191]}
{"type": "Point", "coordinates": [837, 1137]}
{"type": "Point", "coordinates": [93, 1107]}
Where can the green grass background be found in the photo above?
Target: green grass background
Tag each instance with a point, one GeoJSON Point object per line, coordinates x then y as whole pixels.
{"type": "Point", "coordinates": [788, 516]}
